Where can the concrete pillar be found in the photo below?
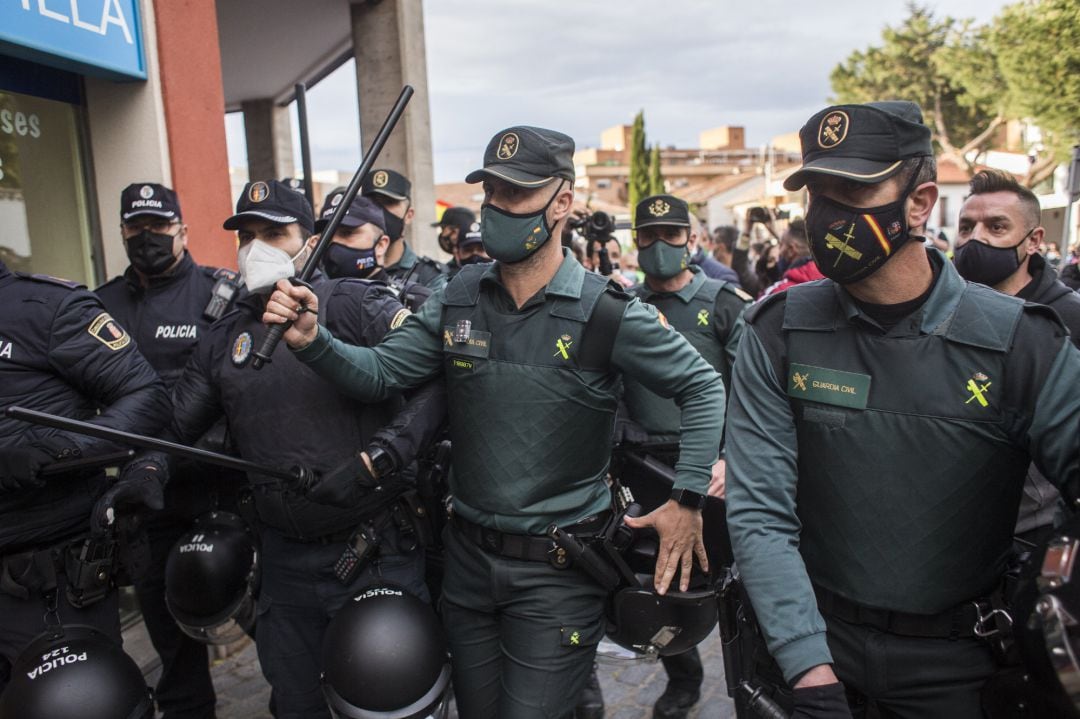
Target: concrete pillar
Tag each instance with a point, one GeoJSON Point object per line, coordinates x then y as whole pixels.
{"type": "Point", "coordinates": [388, 42]}
{"type": "Point", "coordinates": [269, 140]}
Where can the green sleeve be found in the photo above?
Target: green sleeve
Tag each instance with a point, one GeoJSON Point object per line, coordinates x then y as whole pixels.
{"type": "Point", "coordinates": [762, 474]}
{"type": "Point", "coordinates": [1052, 437]}
{"type": "Point", "coordinates": [728, 324]}
{"type": "Point", "coordinates": [408, 356]}
{"type": "Point", "coordinates": [662, 360]}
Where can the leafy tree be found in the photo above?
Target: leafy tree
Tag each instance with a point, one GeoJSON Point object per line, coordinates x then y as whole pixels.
{"type": "Point", "coordinates": [638, 185]}
{"type": "Point", "coordinates": [656, 177]}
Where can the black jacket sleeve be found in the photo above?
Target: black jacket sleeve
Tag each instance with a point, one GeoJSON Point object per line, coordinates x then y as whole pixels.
{"type": "Point", "coordinates": [416, 425]}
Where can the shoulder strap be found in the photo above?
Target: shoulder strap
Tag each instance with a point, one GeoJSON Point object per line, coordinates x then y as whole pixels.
{"type": "Point", "coordinates": [600, 330]}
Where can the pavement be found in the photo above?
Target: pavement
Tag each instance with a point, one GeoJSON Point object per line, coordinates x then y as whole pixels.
{"type": "Point", "coordinates": [630, 688]}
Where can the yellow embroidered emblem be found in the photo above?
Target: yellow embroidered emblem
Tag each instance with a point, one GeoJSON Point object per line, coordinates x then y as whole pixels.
{"type": "Point", "coordinates": [508, 146]}
{"type": "Point", "coordinates": [380, 179]}
{"type": "Point", "coordinates": [575, 638]}
{"type": "Point", "coordinates": [703, 317]}
{"type": "Point", "coordinates": [800, 380]}
{"type": "Point", "coordinates": [833, 129]}
{"type": "Point", "coordinates": [562, 347]}
{"type": "Point", "coordinates": [105, 330]}
{"type": "Point", "coordinates": [399, 318]}
{"type": "Point", "coordinates": [841, 246]}
{"type": "Point", "coordinates": [979, 386]}
{"type": "Point", "coordinates": [659, 208]}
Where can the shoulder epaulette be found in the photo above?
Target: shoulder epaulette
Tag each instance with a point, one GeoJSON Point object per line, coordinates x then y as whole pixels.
{"type": "Point", "coordinates": [49, 279]}
{"type": "Point", "coordinates": [763, 305]}
{"type": "Point", "coordinates": [738, 292]}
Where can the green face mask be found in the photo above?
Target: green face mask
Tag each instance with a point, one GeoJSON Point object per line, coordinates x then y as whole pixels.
{"type": "Point", "coordinates": [662, 261]}
{"type": "Point", "coordinates": [511, 237]}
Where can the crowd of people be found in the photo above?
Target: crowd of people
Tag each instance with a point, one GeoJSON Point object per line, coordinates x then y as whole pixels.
{"type": "Point", "coordinates": [877, 417]}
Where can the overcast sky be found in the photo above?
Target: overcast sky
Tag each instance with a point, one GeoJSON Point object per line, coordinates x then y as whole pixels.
{"type": "Point", "coordinates": [583, 66]}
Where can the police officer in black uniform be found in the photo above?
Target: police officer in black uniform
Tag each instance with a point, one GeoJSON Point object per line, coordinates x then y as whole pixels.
{"type": "Point", "coordinates": [454, 224]}
{"type": "Point", "coordinates": [879, 431]}
{"type": "Point", "coordinates": [61, 352]}
{"type": "Point", "coordinates": [360, 246]}
{"type": "Point", "coordinates": [391, 190]}
{"type": "Point", "coordinates": [167, 302]}
{"type": "Point", "coordinates": [320, 542]}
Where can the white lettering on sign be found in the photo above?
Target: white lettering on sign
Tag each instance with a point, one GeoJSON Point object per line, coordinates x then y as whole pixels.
{"type": "Point", "coordinates": [111, 14]}
{"type": "Point", "coordinates": [172, 332]}
{"type": "Point", "coordinates": [19, 123]}
{"type": "Point", "coordinates": [5, 350]}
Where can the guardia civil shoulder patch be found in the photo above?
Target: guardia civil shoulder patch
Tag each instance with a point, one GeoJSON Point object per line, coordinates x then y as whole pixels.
{"type": "Point", "coordinates": [105, 330]}
{"type": "Point", "coordinates": [241, 349]}
{"type": "Point", "coordinates": [399, 318]}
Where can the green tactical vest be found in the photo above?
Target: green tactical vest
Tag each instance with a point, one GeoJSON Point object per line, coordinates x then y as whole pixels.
{"type": "Point", "coordinates": [694, 321]}
{"type": "Point", "coordinates": [531, 428]}
{"type": "Point", "coordinates": [908, 482]}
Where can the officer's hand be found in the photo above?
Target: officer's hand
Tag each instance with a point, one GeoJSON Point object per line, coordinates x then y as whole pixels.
{"type": "Point", "coordinates": [679, 529]}
{"type": "Point", "coordinates": [283, 307]}
{"type": "Point", "coordinates": [719, 475]}
{"type": "Point", "coordinates": [20, 467]}
{"type": "Point", "coordinates": [812, 700]}
{"type": "Point", "coordinates": [344, 486]}
{"type": "Point", "coordinates": [141, 484]}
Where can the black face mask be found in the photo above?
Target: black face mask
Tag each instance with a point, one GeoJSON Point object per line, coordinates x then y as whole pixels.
{"type": "Point", "coordinates": [988, 265]}
{"type": "Point", "coordinates": [474, 260]}
{"type": "Point", "coordinates": [851, 243]}
{"type": "Point", "coordinates": [395, 226]}
{"type": "Point", "coordinates": [342, 261]}
{"type": "Point", "coordinates": [150, 252]}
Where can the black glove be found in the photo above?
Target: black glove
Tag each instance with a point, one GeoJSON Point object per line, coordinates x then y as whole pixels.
{"type": "Point", "coordinates": [141, 484]}
{"type": "Point", "coordinates": [20, 467]}
{"type": "Point", "coordinates": [827, 701]}
{"type": "Point", "coordinates": [344, 486]}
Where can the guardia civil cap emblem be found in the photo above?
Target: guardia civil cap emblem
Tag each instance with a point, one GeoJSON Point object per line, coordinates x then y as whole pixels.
{"type": "Point", "coordinates": [258, 192]}
{"type": "Point", "coordinates": [833, 129]}
{"type": "Point", "coordinates": [380, 179]}
{"type": "Point", "coordinates": [659, 208]}
{"type": "Point", "coordinates": [508, 146]}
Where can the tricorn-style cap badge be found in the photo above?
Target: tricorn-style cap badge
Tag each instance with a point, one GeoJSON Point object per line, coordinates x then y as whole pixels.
{"type": "Point", "coordinates": [508, 146]}
{"type": "Point", "coordinates": [380, 179]}
{"type": "Point", "coordinates": [258, 192]}
{"type": "Point", "coordinates": [659, 208]}
{"type": "Point", "coordinates": [833, 129]}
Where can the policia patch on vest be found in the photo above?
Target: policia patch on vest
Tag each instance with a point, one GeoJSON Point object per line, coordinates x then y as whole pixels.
{"type": "Point", "coordinates": [105, 330]}
{"type": "Point", "coordinates": [828, 386]}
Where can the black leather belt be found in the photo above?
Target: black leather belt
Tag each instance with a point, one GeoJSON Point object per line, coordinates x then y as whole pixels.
{"type": "Point", "coordinates": [528, 547]}
{"type": "Point", "coordinates": [960, 621]}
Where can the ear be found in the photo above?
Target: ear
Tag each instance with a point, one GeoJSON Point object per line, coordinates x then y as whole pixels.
{"type": "Point", "coordinates": [564, 202]}
{"type": "Point", "coordinates": [691, 239]}
{"type": "Point", "coordinates": [311, 242]}
{"type": "Point", "coordinates": [919, 204]}
{"type": "Point", "coordinates": [381, 246]}
{"type": "Point", "coordinates": [182, 235]}
{"type": "Point", "coordinates": [1035, 240]}
{"type": "Point", "coordinates": [407, 218]}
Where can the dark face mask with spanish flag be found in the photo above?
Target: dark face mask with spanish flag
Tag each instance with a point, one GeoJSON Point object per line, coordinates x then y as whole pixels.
{"type": "Point", "coordinates": [851, 243]}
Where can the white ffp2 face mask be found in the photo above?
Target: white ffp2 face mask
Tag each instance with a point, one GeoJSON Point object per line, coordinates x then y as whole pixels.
{"type": "Point", "coordinates": [262, 265]}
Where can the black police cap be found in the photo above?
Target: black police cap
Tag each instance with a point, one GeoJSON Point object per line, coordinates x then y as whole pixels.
{"type": "Point", "coordinates": [387, 183]}
{"type": "Point", "coordinates": [362, 211]}
{"type": "Point", "coordinates": [274, 201]}
{"type": "Point", "coordinates": [865, 143]}
{"type": "Point", "coordinates": [527, 157]}
{"type": "Point", "coordinates": [661, 210]}
{"type": "Point", "coordinates": [459, 217]}
{"type": "Point", "coordinates": [148, 198]}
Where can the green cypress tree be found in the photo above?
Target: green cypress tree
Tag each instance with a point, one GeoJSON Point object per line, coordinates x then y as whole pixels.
{"type": "Point", "coordinates": [638, 185]}
{"type": "Point", "coordinates": [656, 178]}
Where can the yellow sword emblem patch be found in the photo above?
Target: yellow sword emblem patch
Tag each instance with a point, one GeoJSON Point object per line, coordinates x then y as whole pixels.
{"type": "Point", "coordinates": [562, 347]}
{"type": "Point", "coordinates": [979, 386]}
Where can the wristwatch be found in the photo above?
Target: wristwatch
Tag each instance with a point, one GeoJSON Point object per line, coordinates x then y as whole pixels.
{"type": "Point", "coordinates": [688, 498]}
{"type": "Point", "coordinates": [382, 462]}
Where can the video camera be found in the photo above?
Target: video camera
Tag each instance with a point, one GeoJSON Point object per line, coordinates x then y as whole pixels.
{"type": "Point", "coordinates": [597, 228]}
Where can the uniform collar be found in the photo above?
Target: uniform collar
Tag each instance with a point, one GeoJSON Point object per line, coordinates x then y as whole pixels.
{"type": "Point", "coordinates": [567, 281]}
{"type": "Point", "coordinates": [939, 306]}
{"type": "Point", "coordinates": [686, 294]}
{"type": "Point", "coordinates": [408, 259]}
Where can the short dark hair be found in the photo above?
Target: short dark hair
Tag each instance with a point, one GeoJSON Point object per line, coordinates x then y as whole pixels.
{"type": "Point", "coordinates": [987, 181]}
{"type": "Point", "coordinates": [727, 235]}
{"type": "Point", "coordinates": [796, 231]}
{"type": "Point", "coordinates": [926, 166]}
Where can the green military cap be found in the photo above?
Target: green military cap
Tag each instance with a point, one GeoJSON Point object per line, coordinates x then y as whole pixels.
{"type": "Point", "coordinates": [527, 157]}
{"type": "Point", "coordinates": [387, 183]}
{"type": "Point", "coordinates": [866, 143]}
{"type": "Point", "coordinates": [661, 210]}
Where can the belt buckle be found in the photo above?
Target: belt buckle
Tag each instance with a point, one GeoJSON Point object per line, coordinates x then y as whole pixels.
{"type": "Point", "coordinates": [490, 539]}
{"type": "Point", "coordinates": [557, 557]}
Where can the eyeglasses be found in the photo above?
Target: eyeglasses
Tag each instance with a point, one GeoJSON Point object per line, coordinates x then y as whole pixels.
{"type": "Point", "coordinates": [159, 226]}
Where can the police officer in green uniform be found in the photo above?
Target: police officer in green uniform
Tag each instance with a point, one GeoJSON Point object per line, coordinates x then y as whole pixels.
{"type": "Point", "coordinates": [708, 313]}
{"type": "Point", "coordinates": [532, 348]}
{"type": "Point", "coordinates": [901, 406]}
{"type": "Point", "coordinates": [391, 191]}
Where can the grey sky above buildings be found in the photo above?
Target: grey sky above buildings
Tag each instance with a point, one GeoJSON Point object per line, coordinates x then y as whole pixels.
{"type": "Point", "coordinates": [583, 66]}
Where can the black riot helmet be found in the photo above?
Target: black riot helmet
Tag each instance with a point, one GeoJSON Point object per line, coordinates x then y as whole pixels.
{"type": "Point", "coordinates": [651, 624]}
{"type": "Point", "coordinates": [212, 579]}
{"type": "Point", "coordinates": [75, 671]}
{"type": "Point", "coordinates": [385, 657]}
{"type": "Point", "coordinates": [1046, 625]}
